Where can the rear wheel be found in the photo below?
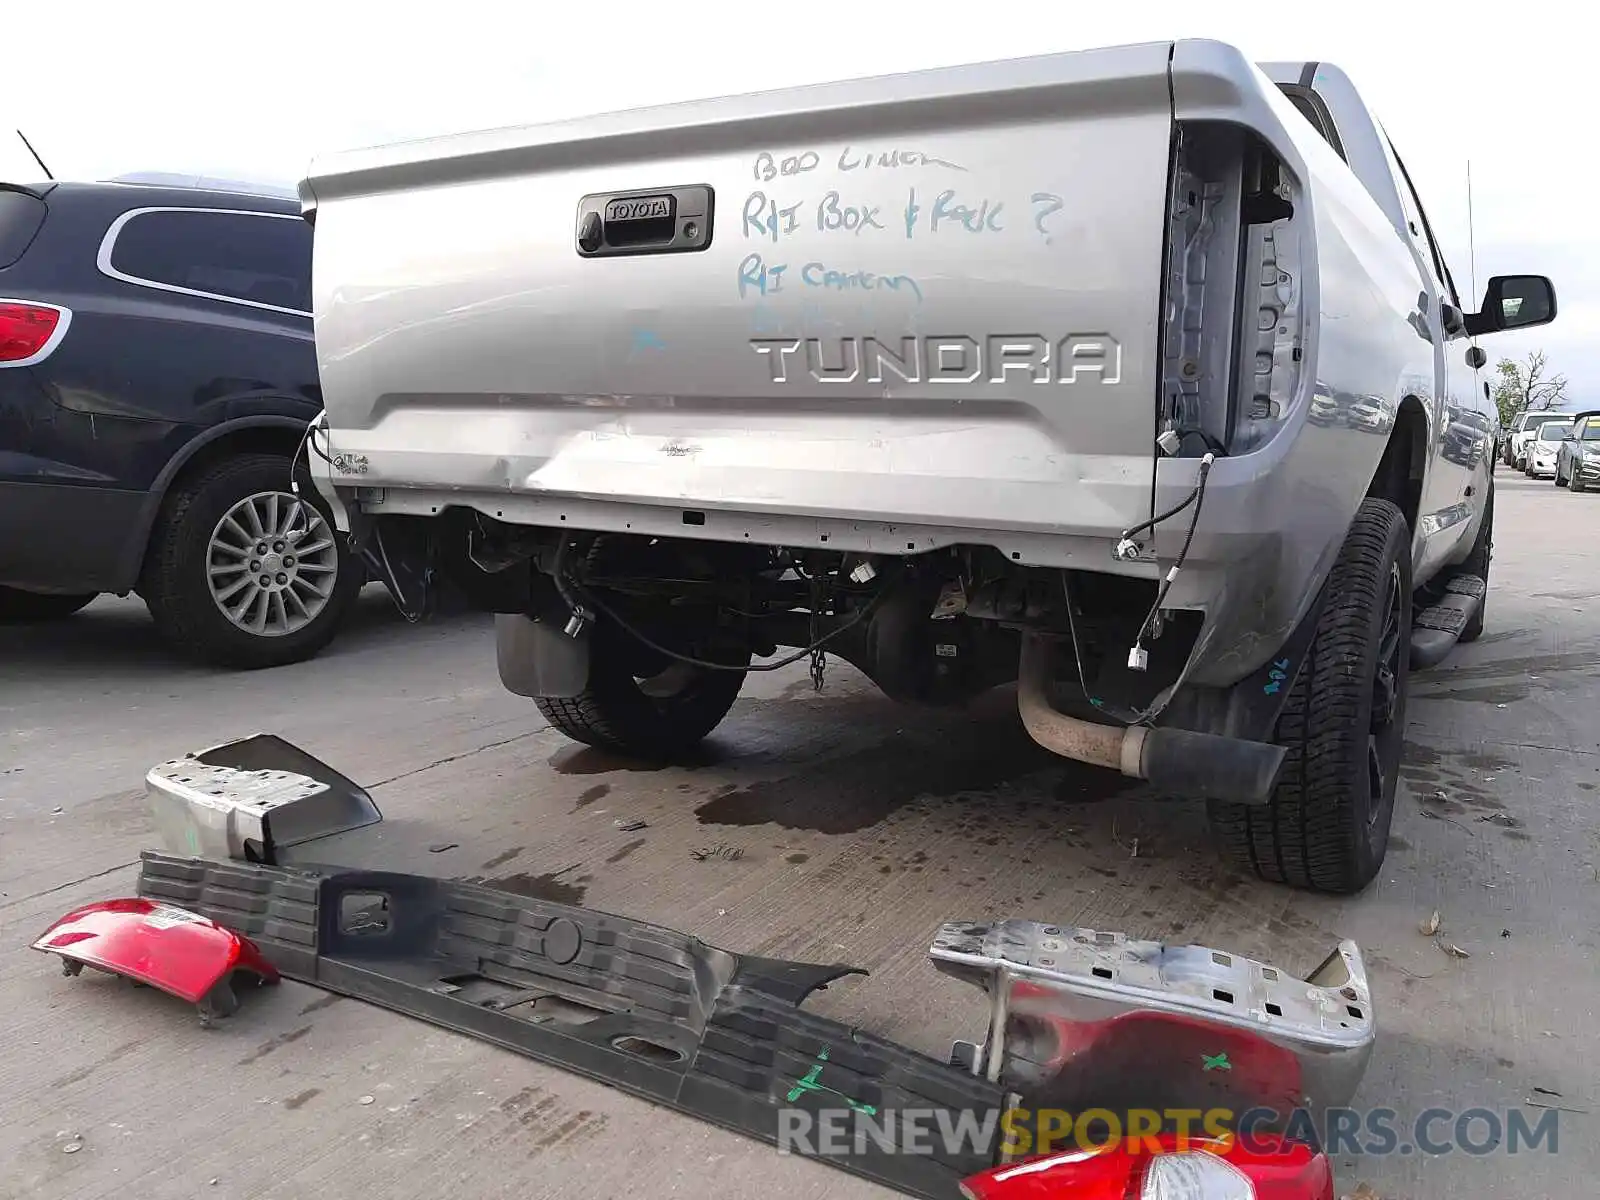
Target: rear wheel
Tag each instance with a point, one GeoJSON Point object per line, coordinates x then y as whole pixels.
{"type": "Point", "coordinates": [241, 572]}
{"type": "Point", "coordinates": [24, 608]}
{"type": "Point", "coordinates": [641, 703]}
{"type": "Point", "coordinates": [1326, 828]}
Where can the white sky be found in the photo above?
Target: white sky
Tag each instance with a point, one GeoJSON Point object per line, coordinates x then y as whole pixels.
{"type": "Point", "coordinates": [253, 91]}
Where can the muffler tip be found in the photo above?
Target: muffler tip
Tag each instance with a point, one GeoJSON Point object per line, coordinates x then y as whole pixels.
{"type": "Point", "coordinates": [1205, 766]}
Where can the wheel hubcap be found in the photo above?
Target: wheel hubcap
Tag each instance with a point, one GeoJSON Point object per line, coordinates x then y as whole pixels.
{"type": "Point", "coordinates": [272, 564]}
{"type": "Point", "coordinates": [1384, 726]}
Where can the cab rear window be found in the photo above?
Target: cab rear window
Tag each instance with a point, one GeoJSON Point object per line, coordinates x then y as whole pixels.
{"type": "Point", "coordinates": [21, 214]}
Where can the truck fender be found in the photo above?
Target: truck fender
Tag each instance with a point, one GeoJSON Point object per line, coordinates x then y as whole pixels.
{"type": "Point", "coordinates": [538, 659]}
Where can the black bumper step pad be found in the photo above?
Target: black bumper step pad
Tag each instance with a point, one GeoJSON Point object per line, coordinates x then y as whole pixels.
{"type": "Point", "coordinates": [1442, 618]}
{"type": "Point", "coordinates": [657, 1013]}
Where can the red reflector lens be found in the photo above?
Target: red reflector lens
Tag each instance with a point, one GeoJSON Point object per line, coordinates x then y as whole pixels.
{"type": "Point", "coordinates": [25, 330]}
{"type": "Point", "coordinates": [1264, 1167]}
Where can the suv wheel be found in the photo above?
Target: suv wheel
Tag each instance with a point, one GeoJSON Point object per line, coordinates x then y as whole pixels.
{"type": "Point", "coordinates": [241, 572]}
{"type": "Point", "coordinates": [640, 703]}
{"type": "Point", "coordinates": [21, 608]}
{"type": "Point", "coordinates": [1326, 828]}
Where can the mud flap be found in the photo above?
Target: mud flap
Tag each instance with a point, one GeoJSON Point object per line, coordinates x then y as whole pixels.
{"type": "Point", "coordinates": [1250, 709]}
{"type": "Point", "coordinates": [654, 1012]}
{"type": "Point", "coordinates": [538, 659]}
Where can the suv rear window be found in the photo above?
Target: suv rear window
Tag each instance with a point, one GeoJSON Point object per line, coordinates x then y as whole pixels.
{"type": "Point", "coordinates": [254, 257]}
{"type": "Point", "coordinates": [21, 214]}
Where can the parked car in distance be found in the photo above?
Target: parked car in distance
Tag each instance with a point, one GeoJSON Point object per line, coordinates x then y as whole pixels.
{"type": "Point", "coordinates": [1367, 412]}
{"type": "Point", "coordinates": [1539, 455]}
{"type": "Point", "coordinates": [1325, 406]}
{"type": "Point", "coordinates": [157, 378]}
{"type": "Point", "coordinates": [1523, 427]}
{"type": "Point", "coordinates": [1578, 453]}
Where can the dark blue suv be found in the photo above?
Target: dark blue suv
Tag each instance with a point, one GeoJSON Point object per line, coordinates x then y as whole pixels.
{"type": "Point", "coordinates": [157, 377]}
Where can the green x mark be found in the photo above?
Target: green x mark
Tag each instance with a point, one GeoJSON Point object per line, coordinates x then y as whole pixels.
{"type": "Point", "coordinates": [1216, 1062]}
{"type": "Point", "coordinates": [808, 1083]}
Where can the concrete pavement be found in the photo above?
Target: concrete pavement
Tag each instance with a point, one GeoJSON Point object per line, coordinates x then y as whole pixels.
{"type": "Point", "coordinates": [859, 826]}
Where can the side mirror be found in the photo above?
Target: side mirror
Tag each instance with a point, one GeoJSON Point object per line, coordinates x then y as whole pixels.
{"type": "Point", "coordinates": [1514, 302]}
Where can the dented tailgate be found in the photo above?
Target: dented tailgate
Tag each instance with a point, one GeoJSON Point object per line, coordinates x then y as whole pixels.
{"type": "Point", "coordinates": [929, 300]}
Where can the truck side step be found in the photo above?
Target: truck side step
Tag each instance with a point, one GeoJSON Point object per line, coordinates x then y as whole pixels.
{"type": "Point", "coordinates": [1436, 629]}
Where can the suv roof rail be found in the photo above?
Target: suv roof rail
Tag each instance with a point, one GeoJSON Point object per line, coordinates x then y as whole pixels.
{"type": "Point", "coordinates": [208, 183]}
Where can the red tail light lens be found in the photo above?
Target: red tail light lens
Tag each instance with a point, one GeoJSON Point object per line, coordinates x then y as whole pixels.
{"type": "Point", "coordinates": [1267, 1168]}
{"type": "Point", "coordinates": [28, 332]}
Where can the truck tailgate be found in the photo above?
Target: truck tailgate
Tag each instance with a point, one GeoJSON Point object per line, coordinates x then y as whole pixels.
{"type": "Point", "coordinates": [928, 300]}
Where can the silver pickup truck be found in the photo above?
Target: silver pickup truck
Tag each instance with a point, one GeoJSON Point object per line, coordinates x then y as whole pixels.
{"type": "Point", "coordinates": [1134, 376]}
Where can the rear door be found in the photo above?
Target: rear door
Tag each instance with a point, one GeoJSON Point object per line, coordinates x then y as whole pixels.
{"type": "Point", "coordinates": [182, 316]}
{"type": "Point", "coordinates": [226, 293]}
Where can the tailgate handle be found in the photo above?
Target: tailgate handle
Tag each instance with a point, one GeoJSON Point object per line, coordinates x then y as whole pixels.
{"type": "Point", "coordinates": [661, 221]}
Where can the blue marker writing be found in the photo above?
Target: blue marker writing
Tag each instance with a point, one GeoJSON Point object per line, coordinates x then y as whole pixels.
{"type": "Point", "coordinates": [755, 275]}
{"type": "Point", "coordinates": [818, 275]}
{"type": "Point", "coordinates": [763, 218]}
{"type": "Point", "coordinates": [983, 219]}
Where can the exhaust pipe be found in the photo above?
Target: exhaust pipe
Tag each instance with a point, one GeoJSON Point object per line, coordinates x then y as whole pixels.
{"type": "Point", "coordinates": [1119, 749]}
{"type": "Point", "coordinates": [1182, 762]}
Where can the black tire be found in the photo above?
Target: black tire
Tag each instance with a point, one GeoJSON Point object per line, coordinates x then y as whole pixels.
{"type": "Point", "coordinates": [615, 712]}
{"type": "Point", "coordinates": [1478, 563]}
{"type": "Point", "coordinates": [1574, 484]}
{"type": "Point", "coordinates": [174, 582]}
{"type": "Point", "coordinates": [25, 608]}
{"type": "Point", "coordinates": [1326, 828]}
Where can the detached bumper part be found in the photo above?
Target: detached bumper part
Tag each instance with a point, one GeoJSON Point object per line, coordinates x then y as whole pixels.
{"type": "Point", "coordinates": [172, 949]}
{"type": "Point", "coordinates": [654, 1012]}
{"type": "Point", "coordinates": [1079, 1018]}
{"type": "Point", "coordinates": [251, 799]}
{"type": "Point", "coordinates": [1087, 1019]}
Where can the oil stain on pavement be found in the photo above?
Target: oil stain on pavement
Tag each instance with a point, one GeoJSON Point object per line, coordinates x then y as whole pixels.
{"type": "Point", "coordinates": [860, 789]}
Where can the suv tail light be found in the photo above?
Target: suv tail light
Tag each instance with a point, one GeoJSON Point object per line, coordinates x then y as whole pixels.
{"type": "Point", "coordinates": [29, 331]}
